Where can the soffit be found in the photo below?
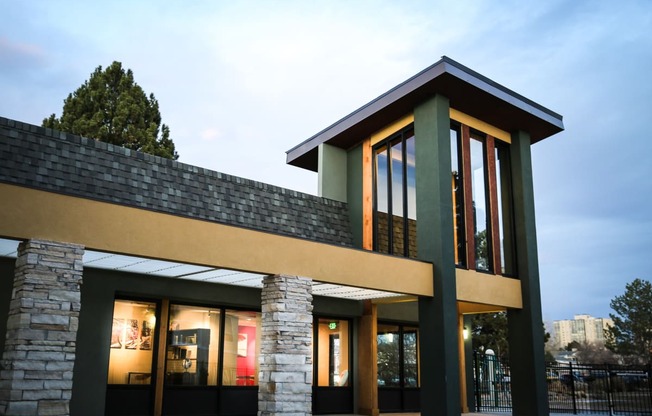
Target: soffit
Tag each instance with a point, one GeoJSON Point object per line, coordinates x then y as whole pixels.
{"type": "Point", "coordinates": [183, 271]}
{"type": "Point", "coordinates": [468, 92]}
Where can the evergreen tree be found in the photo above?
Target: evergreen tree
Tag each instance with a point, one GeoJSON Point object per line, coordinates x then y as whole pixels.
{"type": "Point", "coordinates": [489, 331]}
{"type": "Point", "coordinates": [631, 334]}
{"type": "Point", "coordinates": [112, 108]}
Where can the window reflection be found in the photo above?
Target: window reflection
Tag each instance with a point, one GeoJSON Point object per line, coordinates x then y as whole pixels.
{"type": "Point", "coordinates": [132, 342]}
{"type": "Point", "coordinates": [505, 214]}
{"type": "Point", "coordinates": [382, 203]}
{"type": "Point", "coordinates": [398, 220]}
{"type": "Point", "coordinates": [395, 195]}
{"type": "Point", "coordinates": [458, 198]}
{"type": "Point", "coordinates": [410, 357]}
{"type": "Point", "coordinates": [411, 181]}
{"type": "Point", "coordinates": [242, 332]}
{"type": "Point", "coordinates": [388, 356]}
{"type": "Point", "coordinates": [480, 205]}
{"type": "Point", "coordinates": [398, 356]}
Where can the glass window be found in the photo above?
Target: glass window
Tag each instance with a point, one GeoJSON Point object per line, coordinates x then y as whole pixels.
{"type": "Point", "coordinates": [132, 342]}
{"type": "Point", "coordinates": [458, 197]}
{"type": "Point", "coordinates": [398, 218]}
{"type": "Point", "coordinates": [381, 235]}
{"type": "Point", "coordinates": [398, 356]}
{"type": "Point", "coordinates": [410, 357]}
{"type": "Point", "coordinates": [388, 356]}
{"type": "Point", "coordinates": [411, 181]}
{"type": "Point", "coordinates": [242, 332]}
{"type": "Point", "coordinates": [192, 346]}
{"type": "Point", "coordinates": [333, 352]}
{"type": "Point", "coordinates": [505, 210]}
{"type": "Point", "coordinates": [395, 195]}
{"type": "Point", "coordinates": [480, 205]}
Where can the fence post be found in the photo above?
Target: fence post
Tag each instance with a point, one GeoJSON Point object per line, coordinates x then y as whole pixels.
{"type": "Point", "coordinates": [649, 381]}
{"type": "Point", "coordinates": [476, 382]}
{"type": "Point", "coordinates": [491, 359]}
{"type": "Point", "coordinates": [572, 386]}
{"type": "Point", "coordinates": [610, 399]}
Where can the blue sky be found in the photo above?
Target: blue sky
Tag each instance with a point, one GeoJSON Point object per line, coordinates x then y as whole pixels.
{"type": "Point", "coordinates": [239, 83]}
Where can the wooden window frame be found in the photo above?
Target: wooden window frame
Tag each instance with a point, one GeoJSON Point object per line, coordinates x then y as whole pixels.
{"type": "Point", "coordinates": [491, 185]}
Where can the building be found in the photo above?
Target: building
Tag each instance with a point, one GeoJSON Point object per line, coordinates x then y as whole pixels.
{"type": "Point", "coordinates": [133, 285]}
{"type": "Point", "coordinates": [583, 329]}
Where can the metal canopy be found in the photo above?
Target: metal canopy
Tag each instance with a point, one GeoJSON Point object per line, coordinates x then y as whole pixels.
{"type": "Point", "coordinates": [468, 92]}
{"type": "Point", "coordinates": [174, 270]}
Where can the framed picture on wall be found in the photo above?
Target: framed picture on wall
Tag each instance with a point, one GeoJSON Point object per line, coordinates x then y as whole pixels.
{"type": "Point", "coordinates": [146, 336]}
{"type": "Point", "coordinates": [117, 333]}
{"type": "Point", "coordinates": [132, 334]}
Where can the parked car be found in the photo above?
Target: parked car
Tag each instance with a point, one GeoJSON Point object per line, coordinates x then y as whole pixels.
{"type": "Point", "coordinates": [567, 378]}
{"type": "Point", "coordinates": [552, 375]}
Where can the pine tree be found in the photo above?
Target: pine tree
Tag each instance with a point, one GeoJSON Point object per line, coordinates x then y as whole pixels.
{"type": "Point", "coordinates": [112, 108]}
{"type": "Point", "coordinates": [631, 334]}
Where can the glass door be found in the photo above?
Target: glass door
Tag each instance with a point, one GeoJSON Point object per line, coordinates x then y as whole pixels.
{"type": "Point", "coordinates": [332, 391]}
{"type": "Point", "coordinates": [398, 368]}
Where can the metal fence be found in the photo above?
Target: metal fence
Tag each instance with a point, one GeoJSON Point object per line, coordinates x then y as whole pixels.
{"type": "Point", "coordinates": [572, 388]}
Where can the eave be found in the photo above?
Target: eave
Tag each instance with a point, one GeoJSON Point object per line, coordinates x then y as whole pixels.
{"type": "Point", "coordinates": [468, 92]}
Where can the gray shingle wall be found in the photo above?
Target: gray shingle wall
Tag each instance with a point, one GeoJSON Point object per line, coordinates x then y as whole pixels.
{"type": "Point", "coordinates": [60, 162]}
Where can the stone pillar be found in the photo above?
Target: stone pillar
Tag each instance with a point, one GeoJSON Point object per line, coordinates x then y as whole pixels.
{"type": "Point", "coordinates": [37, 364]}
{"type": "Point", "coordinates": [285, 379]}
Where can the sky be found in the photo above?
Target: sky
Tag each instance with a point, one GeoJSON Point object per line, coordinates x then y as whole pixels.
{"type": "Point", "coordinates": [241, 82]}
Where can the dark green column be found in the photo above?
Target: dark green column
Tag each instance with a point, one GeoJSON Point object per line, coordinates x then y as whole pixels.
{"type": "Point", "coordinates": [354, 193]}
{"type": "Point", "coordinates": [438, 323]}
{"type": "Point", "coordinates": [526, 346]}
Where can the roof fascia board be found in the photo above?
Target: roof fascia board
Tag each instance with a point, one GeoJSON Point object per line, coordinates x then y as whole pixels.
{"type": "Point", "coordinates": [444, 65]}
{"type": "Point", "coordinates": [367, 110]}
{"type": "Point", "coordinates": [499, 91]}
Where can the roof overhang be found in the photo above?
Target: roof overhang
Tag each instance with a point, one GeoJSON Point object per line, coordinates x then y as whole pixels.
{"type": "Point", "coordinates": [467, 91]}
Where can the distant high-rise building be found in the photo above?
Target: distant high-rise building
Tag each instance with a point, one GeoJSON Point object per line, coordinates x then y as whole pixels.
{"type": "Point", "coordinates": [581, 329]}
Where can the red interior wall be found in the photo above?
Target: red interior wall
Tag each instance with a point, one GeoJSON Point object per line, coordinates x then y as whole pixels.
{"type": "Point", "coordinates": [247, 365]}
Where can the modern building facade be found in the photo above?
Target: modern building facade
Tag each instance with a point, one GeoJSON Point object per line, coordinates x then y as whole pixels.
{"type": "Point", "coordinates": [134, 285]}
{"type": "Point", "coordinates": [583, 329]}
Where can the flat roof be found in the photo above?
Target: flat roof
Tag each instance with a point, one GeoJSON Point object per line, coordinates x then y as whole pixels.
{"type": "Point", "coordinates": [467, 91]}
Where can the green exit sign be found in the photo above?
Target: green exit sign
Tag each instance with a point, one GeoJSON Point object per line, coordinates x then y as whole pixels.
{"type": "Point", "coordinates": [332, 325]}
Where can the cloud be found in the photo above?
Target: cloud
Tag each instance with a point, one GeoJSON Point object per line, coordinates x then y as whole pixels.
{"type": "Point", "coordinates": [239, 83]}
{"type": "Point", "coordinates": [16, 55]}
{"type": "Point", "coordinates": [210, 134]}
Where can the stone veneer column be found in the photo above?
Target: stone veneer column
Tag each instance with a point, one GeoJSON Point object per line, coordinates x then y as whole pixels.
{"type": "Point", "coordinates": [285, 379]}
{"type": "Point", "coordinates": [37, 364]}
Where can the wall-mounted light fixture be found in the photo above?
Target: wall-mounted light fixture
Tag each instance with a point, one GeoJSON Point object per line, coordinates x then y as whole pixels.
{"type": "Point", "coordinates": [465, 333]}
